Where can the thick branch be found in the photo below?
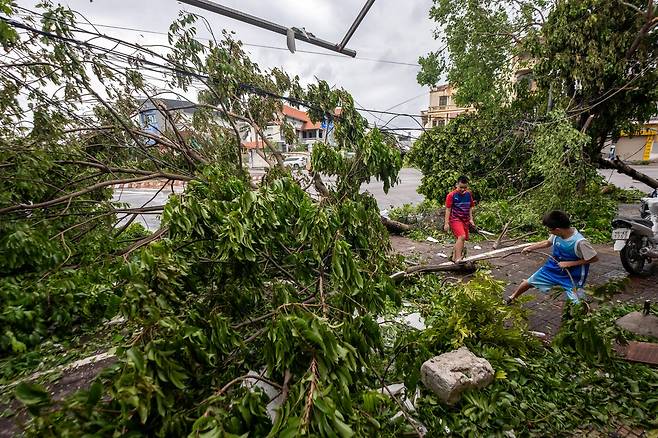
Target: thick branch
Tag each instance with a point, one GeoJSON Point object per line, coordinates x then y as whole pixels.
{"type": "Point", "coordinates": [143, 242]}
{"type": "Point", "coordinates": [464, 268]}
{"type": "Point", "coordinates": [395, 227]}
{"type": "Point", "coordinates": [108, 169]}
{"type": "Point", "coordinates": [97, 186]}
{"type": "Point", "coordinates": [624, 168]}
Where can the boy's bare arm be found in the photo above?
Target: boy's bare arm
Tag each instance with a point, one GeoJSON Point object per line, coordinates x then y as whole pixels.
{"type": "Point", "coordinates": [535, 246]}
{"type": "Point", "coordinates": [446, 225]}
{"type": "Point", "coordinates": [579, 262]}
{"type": "Point", "coordinates": [471, 218]}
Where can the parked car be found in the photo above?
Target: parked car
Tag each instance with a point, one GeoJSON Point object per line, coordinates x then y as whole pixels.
{"type": "Point", "coordinates": [296, 162]}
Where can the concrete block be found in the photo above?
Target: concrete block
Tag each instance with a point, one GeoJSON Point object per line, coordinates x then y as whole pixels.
{"type": "Point", "coordinates": [450, 374]}
{"type": "Point", "coordinates": [640, 324]}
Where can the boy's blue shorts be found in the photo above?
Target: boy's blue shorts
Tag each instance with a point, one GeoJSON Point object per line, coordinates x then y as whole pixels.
{"type": "Point", "coordinates": [545, 283]}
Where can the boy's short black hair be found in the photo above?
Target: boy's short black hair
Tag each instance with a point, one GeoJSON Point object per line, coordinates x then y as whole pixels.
{"type": "Point", "coordinates": [462, 180]}
{"type": "Point", "coordinates": [556, 219]}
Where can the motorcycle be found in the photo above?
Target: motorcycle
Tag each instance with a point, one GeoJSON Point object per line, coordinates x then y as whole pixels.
{"type": "Point", "coordinates": [644, 206]}
{"type": "Point", "coordinates": [637, 240]}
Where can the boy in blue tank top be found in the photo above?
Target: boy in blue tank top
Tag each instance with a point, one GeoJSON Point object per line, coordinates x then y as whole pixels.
{"type": "Point", "coordinates": [568, 265]}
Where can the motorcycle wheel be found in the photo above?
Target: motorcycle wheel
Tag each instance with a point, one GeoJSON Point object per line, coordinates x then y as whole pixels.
{"type": "Point", "coordinates": [631, 259]}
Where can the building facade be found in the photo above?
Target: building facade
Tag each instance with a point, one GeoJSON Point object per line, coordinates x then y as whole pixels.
{"type": "Point", "coordinates": [306, 132]}
{"type": "Point", "coordinates": [442, 108]}
{"type": "Point", "coordinates": [638, 146]}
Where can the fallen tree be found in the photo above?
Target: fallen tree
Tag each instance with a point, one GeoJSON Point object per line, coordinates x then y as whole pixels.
{"type": "Point", "coordinates": [238, 279]}
{"type": "Point", "coordinates": [624, 168]}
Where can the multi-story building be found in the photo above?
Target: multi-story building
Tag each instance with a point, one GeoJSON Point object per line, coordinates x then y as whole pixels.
{"type": "Point", "coordinates": [179, 114]}
{"type": "Point", "coordinates": [154, 120]}
{"type": "Point", "coordinates": [442, 107]}
{"type": "Point", "coordinates": [307, 133]}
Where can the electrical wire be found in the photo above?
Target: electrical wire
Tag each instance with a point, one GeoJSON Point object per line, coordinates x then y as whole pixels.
{"type": "Point", "coordinates": [185, 71]}
{"type": "Point", "coordinates": [261, 46]}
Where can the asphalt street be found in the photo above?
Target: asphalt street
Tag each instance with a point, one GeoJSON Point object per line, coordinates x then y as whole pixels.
{"type": "Point", "coordinates": [398, 195]}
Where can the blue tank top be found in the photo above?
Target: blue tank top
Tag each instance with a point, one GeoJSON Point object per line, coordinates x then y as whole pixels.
{"type": "Point", "coordinates": [564, 250]}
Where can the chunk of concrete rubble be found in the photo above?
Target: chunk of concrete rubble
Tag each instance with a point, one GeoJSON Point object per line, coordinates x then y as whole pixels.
{"type": "Point", "coordinates": [640, 324]}
{"type": "Point", "coordinates": [450, 374]}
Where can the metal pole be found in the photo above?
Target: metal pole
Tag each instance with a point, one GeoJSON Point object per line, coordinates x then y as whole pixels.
{"type": "Point", "coordinates": [273, 27]}
{"type": "Point", "coordinates": [356, 24]}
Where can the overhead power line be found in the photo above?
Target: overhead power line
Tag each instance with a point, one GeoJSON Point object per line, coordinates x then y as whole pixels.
{"type": "Point", "coordinates": [295, 33]}
{"type": "Point", "coordinates": [260, 46]}
{"type": "Point", "coordinates": [182, 70]}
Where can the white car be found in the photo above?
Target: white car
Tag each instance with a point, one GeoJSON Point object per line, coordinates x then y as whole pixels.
{"type": "Point", "coordinates": [298, 162]}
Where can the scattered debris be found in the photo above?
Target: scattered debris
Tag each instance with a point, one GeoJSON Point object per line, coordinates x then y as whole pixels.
{"type": "Point", "coordinates": [477, 247]}
{"type": "Point", "coordinates": [414, 320]}
{"type": "Point", "coordinates": [520, 362]}
{"type": "Point", "coordinates": [443, 255]}
{"type": "Point", "coordinates": [539, 335]}
{"type": "Point", "coordinates": [399, 391]}
{"type": "Point", "coordinates": [274, 394]}
{"type": "Point", "coordinates": [431, 239]}
{"type": "Point", "coordinates": [450, 374]}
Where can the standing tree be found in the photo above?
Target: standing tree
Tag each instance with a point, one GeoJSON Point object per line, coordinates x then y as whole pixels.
{"type": "Point", "coordinates": [594, 60]}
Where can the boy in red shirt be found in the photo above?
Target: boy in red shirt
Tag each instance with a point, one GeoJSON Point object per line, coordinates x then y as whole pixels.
{"type": "Point", "coordinates": [459, 215]}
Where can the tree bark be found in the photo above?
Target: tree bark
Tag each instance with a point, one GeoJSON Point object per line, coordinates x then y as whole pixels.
{"type": "Point", "coordinates": [395, 227]}
{"type": "Point", "coordinates": [460, 268]}
{"type": "Point", "coordinates": [624, 168]}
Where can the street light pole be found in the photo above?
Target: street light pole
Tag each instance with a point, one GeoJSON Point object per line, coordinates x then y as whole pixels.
{"type": "Point", "coordinates": [273, 27]}
{"type": "Point", "coordinates": [356, 24]}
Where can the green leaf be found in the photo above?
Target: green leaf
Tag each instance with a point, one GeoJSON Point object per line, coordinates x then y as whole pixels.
{"type": "Point", "coordinates": [135, 356]}
{"type": "Point", "coordinates": [32, 395]}
{"type": "Point", "coordinates": [95, 392]}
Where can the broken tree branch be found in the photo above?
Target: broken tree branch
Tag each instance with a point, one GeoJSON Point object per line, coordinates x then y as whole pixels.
{"type": "Point", "coordinates": [624, 168]}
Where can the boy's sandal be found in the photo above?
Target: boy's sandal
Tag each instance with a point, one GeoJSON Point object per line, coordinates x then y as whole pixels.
{"type": "Point", "coordinates": [507, 301]}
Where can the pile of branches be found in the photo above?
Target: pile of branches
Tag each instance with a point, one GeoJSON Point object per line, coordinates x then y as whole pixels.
{"type": "Point", "coordinates": [240, 283]}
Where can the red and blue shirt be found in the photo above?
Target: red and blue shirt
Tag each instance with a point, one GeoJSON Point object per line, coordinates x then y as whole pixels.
{"type": "Point", "coordinates": [460, 205]}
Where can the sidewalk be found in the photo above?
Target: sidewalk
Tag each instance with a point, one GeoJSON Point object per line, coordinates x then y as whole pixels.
{"type": "Point", "coordinates": [546, 313]}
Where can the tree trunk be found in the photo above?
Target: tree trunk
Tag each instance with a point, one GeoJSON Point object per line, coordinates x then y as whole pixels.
{"type": "Point", "coordinates": [459, 268]}
{"type": "Point", "coordinates": [624, 168]}
{"type": "Point", "coordinates": [395, 227]}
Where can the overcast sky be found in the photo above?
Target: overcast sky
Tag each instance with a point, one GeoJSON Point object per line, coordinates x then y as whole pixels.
{"type": "Point", "coordinates": [393, 30]}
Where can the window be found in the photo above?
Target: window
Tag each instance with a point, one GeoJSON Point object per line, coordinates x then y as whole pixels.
{"type": "Point", "coordinates": [443, 101]}
{"type": "Point", "coordinates": [149, 120]}
{"type": "Point", "coordinates": [320, 133]}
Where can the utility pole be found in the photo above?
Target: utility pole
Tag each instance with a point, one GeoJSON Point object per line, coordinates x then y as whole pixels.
{"type": "Point", "coordinates": [273, 27]}
{"type": "Point", "coordinates": [292, 33]}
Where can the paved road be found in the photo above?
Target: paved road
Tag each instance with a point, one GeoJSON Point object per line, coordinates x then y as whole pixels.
{"type": "Point", "coordinates": [626, 182]}
{"type": "Point", "coordinates": [403, 193]}
{"type": "Point", "coordinates": [139, 197]}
